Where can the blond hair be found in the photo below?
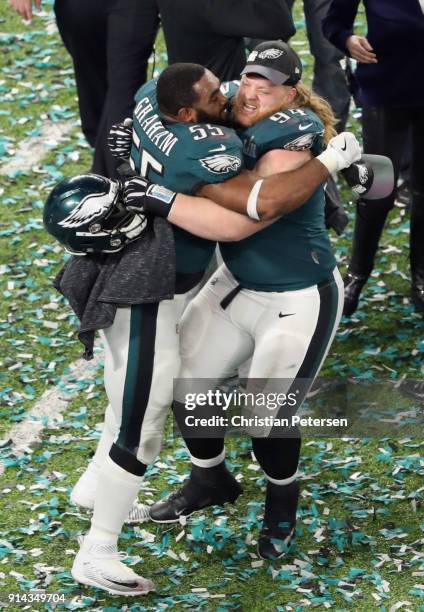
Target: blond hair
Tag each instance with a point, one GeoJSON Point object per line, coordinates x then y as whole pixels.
{"type": "Point", "coordinates": [305, 97]}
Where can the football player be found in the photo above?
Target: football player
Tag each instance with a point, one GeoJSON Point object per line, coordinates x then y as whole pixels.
{"type": "Point", "coordinates": [142, 352]}
{"type": "Point", "coordinates": [277, 299]}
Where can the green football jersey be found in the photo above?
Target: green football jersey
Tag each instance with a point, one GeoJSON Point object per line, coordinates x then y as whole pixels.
{"type": "Point", "coordinates": [295, 251]}
{"type": "Point", "coordinates": [182, 157]}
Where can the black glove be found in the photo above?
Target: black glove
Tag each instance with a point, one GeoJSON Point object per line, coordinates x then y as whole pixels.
{"type": "Point", "coordinates": [140, 196]}
{"type": "Point", "coordinates": [119, 139]}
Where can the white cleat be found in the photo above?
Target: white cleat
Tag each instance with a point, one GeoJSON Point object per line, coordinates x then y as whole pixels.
{"type": "Point", "coordinates": [99, 565]}
{"type": "Point", "coordinates": [139, 513]}
{"type": "Point", "coordinates": [84, 492]}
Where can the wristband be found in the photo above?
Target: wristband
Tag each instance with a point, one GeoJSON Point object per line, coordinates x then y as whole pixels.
{"type": "Point", "coordinates": [159, 200]}
{"type": "Point", "coordinates": [252, 201]}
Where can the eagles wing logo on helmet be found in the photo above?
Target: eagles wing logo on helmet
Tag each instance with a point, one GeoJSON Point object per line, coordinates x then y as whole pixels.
{"type": "Point", "coordinates": [271, 54]}
{"type": "Point", "coordinates": [220, 164]}
{"type": "Point", "coordinates": [91, 207]}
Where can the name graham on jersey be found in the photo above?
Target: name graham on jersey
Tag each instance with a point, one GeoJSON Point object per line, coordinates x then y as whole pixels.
{"type": "Point", "coordinates": [154, 128]}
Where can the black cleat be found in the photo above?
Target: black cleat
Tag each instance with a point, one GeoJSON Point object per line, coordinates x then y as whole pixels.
{"type": "Point", "coordinates": [404, 196]}
{"type": "Point", "coordinates": [205, 487]}
{"type": "Point", "coordinates": [353, 284]}
{"type": "Point", "coordinates": [279, 523]}
{"type": "Point", "coordinates": [417, 297]}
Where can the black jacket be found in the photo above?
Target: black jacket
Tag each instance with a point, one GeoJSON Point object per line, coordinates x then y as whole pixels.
{"type": "Point", "coordinates": [396, 33]}
{"type": "Point", "coordinates": [211, 32]}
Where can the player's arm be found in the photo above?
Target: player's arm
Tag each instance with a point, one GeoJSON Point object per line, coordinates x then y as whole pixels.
{"type": "Point", "coordinates": [270, 164]}
{"type": "Point", "coordinates": [279, 194]}
{"type": "Point", "coordinates": [284, 192]}
{"type": "Point", "coordinates": [218, 223]}
{"type": "Point", "coordinates": [279, 160]}
{"type": "Point", "coordinates": [205, 218]}
{"type": "Point", "coordinates": [197, 215]}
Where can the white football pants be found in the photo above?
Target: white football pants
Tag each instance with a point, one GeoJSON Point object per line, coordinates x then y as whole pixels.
{"type": "Point", "coordinates": [287, 334]}
{"type": "Point", "coordinates": [142, 358]}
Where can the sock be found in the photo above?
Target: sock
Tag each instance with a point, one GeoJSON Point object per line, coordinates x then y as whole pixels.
{"type": "Point", "coordinates": [116, 492]}
{"type": "Point", "coordinates": [283, 481]}
{"type": "Point", "coordinates": [109, 432]}
{"type": "Point", "coordinates": [279, 458]}
{"type": "Point", "coordinates": [208, 463]}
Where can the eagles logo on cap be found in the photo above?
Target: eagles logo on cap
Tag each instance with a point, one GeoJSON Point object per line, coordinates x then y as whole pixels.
{"type": "Point", "coordinates": [271, 54]}
{"type": "Point", "coordinates": [275, 61]}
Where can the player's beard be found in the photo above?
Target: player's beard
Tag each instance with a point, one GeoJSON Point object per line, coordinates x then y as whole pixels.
{"type": "Point", "coordinates": [203, 117]}
{"type": "Point", "coordinates": [246, 121]}
{"type": "Point", "coordinates": [224, 118]}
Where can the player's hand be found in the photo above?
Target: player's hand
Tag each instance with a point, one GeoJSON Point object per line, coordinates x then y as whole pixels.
{"type": "Point", "coordinates": [360, 49]}
{"type": "Point", "coordinates": [141, 196]}
{"type": "Point", "coordinates": [134, 194]}
{"type": "Point", "coordinates": [119, 139]}
{"type": "Point", "coordinates": [341, 152]}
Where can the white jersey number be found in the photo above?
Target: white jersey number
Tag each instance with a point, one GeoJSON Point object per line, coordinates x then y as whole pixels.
{"type": "Point", "coordinates": [204, 131]}
{"type": "Point", "coordinates": [147, 162]}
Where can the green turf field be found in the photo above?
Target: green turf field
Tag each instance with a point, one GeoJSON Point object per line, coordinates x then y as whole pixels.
{"type": "Point", "coordinates": [361, 522]}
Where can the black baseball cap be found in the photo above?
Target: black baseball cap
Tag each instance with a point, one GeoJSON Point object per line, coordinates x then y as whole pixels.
{"type": "Point", "coordinates": [383, 180]}
{"type": "Point", "coordinates": [275, 61]}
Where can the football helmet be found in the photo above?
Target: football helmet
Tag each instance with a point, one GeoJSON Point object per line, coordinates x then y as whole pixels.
{"type": "Point", "coordinates": [86, 214]}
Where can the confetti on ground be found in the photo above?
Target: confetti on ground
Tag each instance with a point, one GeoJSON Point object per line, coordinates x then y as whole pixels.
{"type": "Point", "coordinates": [360, 532]}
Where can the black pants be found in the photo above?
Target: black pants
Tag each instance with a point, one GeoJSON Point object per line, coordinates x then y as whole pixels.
{"type": "Point", "coordinates": [385, 131]}
{"type": "Point", "coordinates": [110, 42]}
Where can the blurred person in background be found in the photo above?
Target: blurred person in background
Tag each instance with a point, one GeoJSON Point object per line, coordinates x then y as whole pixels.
{"type": "Point", "coordinates": [110, 42]}
{"type": "Point", "coordinates": [211, 32]}
{"type": "Point", "coordinates": [392, 96]}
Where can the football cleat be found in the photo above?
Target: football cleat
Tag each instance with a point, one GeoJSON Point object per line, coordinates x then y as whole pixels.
{"type": "Point", "coordinates": [417, 297]}
{"type": "Point", "coordinates": [278, 528]}
{"type": "Point", "coordinates": [139, 513]}
{"type": "Point", "coordinates": [205, 487]}
{"type": "Point", "coordinates": [99, 565]}
{"type": "Point", "coordinates": [84, 492]}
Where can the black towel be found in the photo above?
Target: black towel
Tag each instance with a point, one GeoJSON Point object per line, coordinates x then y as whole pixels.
{"type": "Point", "coordinates": [95, 285]}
